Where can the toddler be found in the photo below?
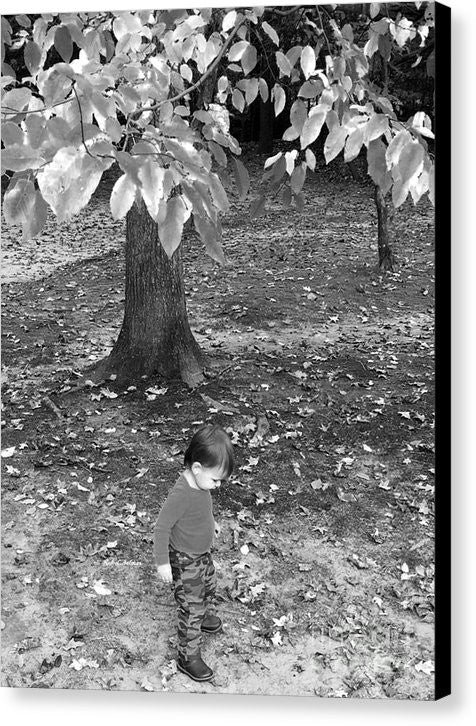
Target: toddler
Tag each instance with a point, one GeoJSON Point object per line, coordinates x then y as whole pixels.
{"type": "Point", "coordinates": [183, 535]}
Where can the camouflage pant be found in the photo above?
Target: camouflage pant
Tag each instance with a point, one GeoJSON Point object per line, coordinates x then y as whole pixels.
{"type": "Point", "coordinates": [194, 590]}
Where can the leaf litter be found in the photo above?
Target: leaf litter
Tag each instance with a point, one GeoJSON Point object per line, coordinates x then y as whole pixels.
{"type": "Point", "coordinates": [315, 360]}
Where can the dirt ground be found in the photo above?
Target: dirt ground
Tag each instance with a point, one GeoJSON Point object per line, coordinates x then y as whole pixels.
{"type": "Point", "coordinates": [320, 368]}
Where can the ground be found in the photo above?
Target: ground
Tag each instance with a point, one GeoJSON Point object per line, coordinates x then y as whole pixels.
{"type": "Point", "coordinates": [320, 368]}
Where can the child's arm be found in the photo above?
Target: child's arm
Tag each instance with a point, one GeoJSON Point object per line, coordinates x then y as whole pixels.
{"type": "Point", "coordinates": [170, 513]}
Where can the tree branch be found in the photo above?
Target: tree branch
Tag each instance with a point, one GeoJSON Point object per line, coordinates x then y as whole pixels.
{"type": "Point", "coordinates": [196, 85]}
{"type": "Point", "coordinates": [13, 112]}
{"type": "Point", "coordinates": [81, 120]}
{"type": "Point", "coordinates": [324, 32]}
{"type": "Point", "coordinates": [283, 13]}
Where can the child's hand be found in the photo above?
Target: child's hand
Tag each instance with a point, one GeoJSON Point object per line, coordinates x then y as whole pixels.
{"type": "Point", "coordinates": [165, 573]}
{"type": "Point", "coordinates": [217, 529]}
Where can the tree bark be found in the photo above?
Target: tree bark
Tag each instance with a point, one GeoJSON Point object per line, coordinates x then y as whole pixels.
{"type": "Point", "coordinates": [155, 337]}
{"type": "Point", "coordinates": [385, 252]}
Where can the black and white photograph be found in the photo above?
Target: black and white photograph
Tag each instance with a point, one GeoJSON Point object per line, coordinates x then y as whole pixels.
{"type": "Point", "coordinates": [225, 409]}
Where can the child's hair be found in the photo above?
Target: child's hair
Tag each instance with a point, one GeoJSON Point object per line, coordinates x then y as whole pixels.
{"type": "Point", "coordinates": [210, 446]}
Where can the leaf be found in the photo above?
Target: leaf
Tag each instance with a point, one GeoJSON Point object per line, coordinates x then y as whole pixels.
{"type": "Point", "coordinates": [250, 87]}
{"type": "Point", "coordinates": [218, 193]}
{"type": "Point", "coordinates": [335, 142]}
{"type": "Point", "coordinates": [18, 202]}
{"type": "Point", "coordinates": [122, 196]}
{"type": "Point", "coordinates": [374, 10]}
{"type": "Point", "coordinates": [32, 56]}
{"type": "Point", "coordinates": [310, 89]}
{"type": "Point", "coordinates": [285, 67]}
{"type": "Point", "coordinates": [23, 20]}
{"type": "Point", "coordinates": [395, 147]}
{"type": "Point", "coordinates": [308, 61]}
{"type": "Point", "coordinates": [348, 33]}
{"type": "Point", "coordinates": [218, 153]}
{"type": "Point", "coordinates": [68, 182]}
{"type": "Point", "coordinates": [244, 549]}
{"type": "Point", "coordinates": [277, 639]}
{"type": "Point", "coordinates": [100, 588]}
{"type": "Point", "coordinates": [64, 43]}
{"type": "Point", "coordinates": [151, 176]}
{"type": "Point", "coordinates": [297, 178]}
{"type": "Point", "coordinates": [146, 685]}
{"type": "Point", "coordinates": [410, 162]}
{"type": "Point", "coordinates": [376, 164]}
{"type": "Point", "coordinates": [238, 100]}
{"type": "Point", "coordinates": [426, 666]}
{"type": "Point", "coordinates": [375, 127]}
{"type": "Point", "coordinates": [312, 127]}
{"type": "Point", "coordinates": [402, 31]}
{"type": "Point", "coordinates": [229, 20]}
{"type": "Point", "coordinates": [20, 157]}
{"type": "Point", "coordinates": [298, 115]}
{"type": "Point", "coordinates": [319, 485]}
{"type": "Point", "coordinates": [290, 157]}
{"type": "Point", "coordinates": [353, 144]}
{"type": "Point", "coordinates": [80, 663]}
{"type": "Point", "coordinates": [270, 160]}
{"type": "Point", "coordinates": [310, 159]}
{"type": "Point", "coordinates": [170, 230]}
{"type": "Point", "coordinates": [263, 90]}
{"type": "Point", "coordinates": [236, 51]}
{"type": "Point", "coordinates": [107, 393]}
{"type": "Point", "coordinates": [279, 99]}
{"type": "Point", "coordinates": [242, 178]}
{"type": "Point", "coordinates": [210, 234]}
{"type": "Point", "coordinates": [270, 32]}
{"type": "Point", "coordinates": [249, 59]}
{"type": "Point", "coordinates": [8, 453]}
{"type": "Point", "coordinates": [37, 220]}
{"type": "Point", "coordinates": [16, 100]}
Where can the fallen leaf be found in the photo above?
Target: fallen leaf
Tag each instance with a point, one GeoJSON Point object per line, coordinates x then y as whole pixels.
{"type": "Point", "coordinates": [80, 663]}
{"type": "Point", "coordinates": [426, 666]}
{"type": "Point", "coordinates": [319, 484]}
{"type": "Point", "coordinates": [6, 453]}
{"type": "Point", "coordinates": [107, 393]}
{"type": "Point", "coordinates": [146, 685]}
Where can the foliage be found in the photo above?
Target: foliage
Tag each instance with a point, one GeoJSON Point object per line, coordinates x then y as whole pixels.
{"type": "Point", "coordinates": [92, 89]}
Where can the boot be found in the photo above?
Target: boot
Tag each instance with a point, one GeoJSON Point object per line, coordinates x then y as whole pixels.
{"type": "Point", "coordinates": [211, 624]}
{"type": "Point", "coordinates": [195, 668]}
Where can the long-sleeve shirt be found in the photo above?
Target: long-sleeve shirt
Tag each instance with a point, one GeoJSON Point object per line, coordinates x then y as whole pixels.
{"type": "Point", "coordinates": [185, 521]}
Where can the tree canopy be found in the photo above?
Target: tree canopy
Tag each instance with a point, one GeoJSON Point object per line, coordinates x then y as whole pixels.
{"type": "Point", "coordinates": [81, 91]}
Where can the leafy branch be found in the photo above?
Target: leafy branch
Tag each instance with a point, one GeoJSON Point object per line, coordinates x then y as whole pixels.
{"type": "Point", "coordinates": [202, 79]}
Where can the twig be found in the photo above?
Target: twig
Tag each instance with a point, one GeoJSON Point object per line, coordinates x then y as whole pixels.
{"type": "Point", "coordinates": [200, 80]}
{"type": "Point", "coordinates": [81, 121]}
{"type": "Point", "coordinates": [323, 31]}
{"type": "Point", "coordinates": [283, 13]}
{"type": "Point", "coordinates": [12, 112]}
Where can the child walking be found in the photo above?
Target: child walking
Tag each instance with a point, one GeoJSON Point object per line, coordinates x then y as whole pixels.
{"type": "Point", "coordinates": [183, 536]}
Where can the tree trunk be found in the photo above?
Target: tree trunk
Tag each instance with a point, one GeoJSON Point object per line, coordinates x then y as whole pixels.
{"type": "Point", "coordinates": [155, 336]}
{"type": "Point", "coordinates": [385, 252]}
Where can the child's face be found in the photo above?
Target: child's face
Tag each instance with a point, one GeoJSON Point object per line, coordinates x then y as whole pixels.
{"type": "Point", "coordinates": [208, 478]}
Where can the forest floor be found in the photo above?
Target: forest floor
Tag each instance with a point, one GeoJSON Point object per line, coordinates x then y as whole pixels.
{"type": "Point", "coordinates": [320, 368]}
